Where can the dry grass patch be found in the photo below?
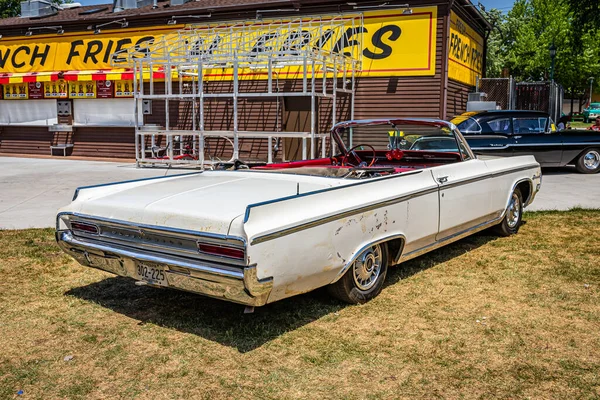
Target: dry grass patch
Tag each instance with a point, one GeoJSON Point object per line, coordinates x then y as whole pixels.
{"type": "Point", "coordinates": [484, 318]}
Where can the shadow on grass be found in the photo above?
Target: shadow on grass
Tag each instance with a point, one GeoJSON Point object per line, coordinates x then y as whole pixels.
{"type": "Point", "coordinates": [409, 268]}
{"type": "Point", "coordinates": [224, 322]}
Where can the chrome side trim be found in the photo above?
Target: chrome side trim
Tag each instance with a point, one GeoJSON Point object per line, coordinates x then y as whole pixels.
{"type": "Point", "coordinates": [450, 239]}
{"type": "Point", "coordinates": [77, 190]}
{"type": "Point", "coordinates": [467, 225]}
{"type": "Point", "coordinates": [519, 169]}
{"type": "Point", "coordinates": [467, 181]}
{"type": "Point", "coordinates": [344, 214]}
{"type": "Point", "coordinates": [391, 262]}
{"type": "Point", "coordinates": [582, 144]}
{"type": "Point", "coordinates": [423, 192]}
{"type": "Point", "coordinates": [330, 189]}
{"type": "Point", "coordinates": [490, 148]}
{"type": "Point", "coordinates": [532, 191]}
{"type": "Point", "coordinates": [533, 145]}
{"type": "Point", "coordinates": [467, 232]}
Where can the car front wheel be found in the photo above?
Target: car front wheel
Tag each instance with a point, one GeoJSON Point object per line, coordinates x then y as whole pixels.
{"type": "Point", "coordinates": [364, 279]}
{"type": "Point", "coordinates": [513, 216]}
{"type": "Point", "coordinates": [588, 162]}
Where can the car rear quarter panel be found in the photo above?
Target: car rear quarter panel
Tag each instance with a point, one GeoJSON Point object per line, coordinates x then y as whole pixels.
{"type": "Point", "coordinates": [507, 173]}
{"type": "Point", "coordinates": [308, 241]}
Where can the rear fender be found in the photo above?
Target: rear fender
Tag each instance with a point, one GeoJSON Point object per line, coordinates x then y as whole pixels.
{"type": "Point", "coordinates": [395, 247]}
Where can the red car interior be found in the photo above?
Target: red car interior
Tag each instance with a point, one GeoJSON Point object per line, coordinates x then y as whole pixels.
{"type": "Point", "coordinates": [399, 160]}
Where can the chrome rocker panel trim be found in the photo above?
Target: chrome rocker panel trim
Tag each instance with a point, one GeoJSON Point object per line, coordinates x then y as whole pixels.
{"type": "Point", "coordinates": [219, 281]}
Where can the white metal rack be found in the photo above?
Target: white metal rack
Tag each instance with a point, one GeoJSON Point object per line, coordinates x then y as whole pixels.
{"type": "Point", "coordinates": [319, 51]}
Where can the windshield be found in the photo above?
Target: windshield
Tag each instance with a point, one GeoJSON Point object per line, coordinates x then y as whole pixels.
{"type": "Point", "coordinates": [388, 136]}
{"type": "Point", "coordinates": [595, 106]}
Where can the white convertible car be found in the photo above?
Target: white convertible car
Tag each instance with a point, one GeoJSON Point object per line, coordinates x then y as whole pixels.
{"type": "Point", "coordinates": [257, 235]}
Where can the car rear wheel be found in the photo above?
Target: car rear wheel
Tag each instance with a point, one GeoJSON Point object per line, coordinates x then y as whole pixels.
{"type": "Point", "coordinates": [588, 162]}
{"type": "Point", "coordinates": [513, 216]}
{"type": "Point", "coordinates": [365, 277]}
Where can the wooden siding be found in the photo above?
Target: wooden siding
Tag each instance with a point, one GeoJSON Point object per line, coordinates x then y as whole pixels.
{"type": "Point", "coordinates": [376, 97]}
{"type": "Point", "coordinates": [87, 142]}
{"type": "Point", "coordinates": [25, 140]}
{"type": "Point", "coordinates": [104, 142]}
{"type": "Point", "coordinates": [458, 94]}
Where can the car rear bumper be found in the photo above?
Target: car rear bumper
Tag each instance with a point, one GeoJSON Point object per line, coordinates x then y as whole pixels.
{"type": "Point", "coordinates": [238, 285]}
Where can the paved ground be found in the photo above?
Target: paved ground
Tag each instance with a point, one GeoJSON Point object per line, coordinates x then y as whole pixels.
{"type": "Point", "coordinates": [31, 190]}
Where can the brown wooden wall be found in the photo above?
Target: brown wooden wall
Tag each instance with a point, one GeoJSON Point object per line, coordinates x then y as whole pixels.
{"type": "Point", "coordinates": [104, 142]}
{"type": "Point", "coordinates": [88, 142]}
{"type": "Point", "coordinates": [376, 97]}
{"type": "Point", "coordinates": [458, 94]}
{"type": "Point", "coordinates": [25, 140]}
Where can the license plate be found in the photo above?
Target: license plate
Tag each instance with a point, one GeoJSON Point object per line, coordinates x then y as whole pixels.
{"type": "Point", "coordinates": [151, 273]}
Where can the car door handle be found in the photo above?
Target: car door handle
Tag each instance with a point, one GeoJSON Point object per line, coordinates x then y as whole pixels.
{"type": "Point", "coordinates": [517, 137]}
{"type": "Point", "coordinates": [442, 179]}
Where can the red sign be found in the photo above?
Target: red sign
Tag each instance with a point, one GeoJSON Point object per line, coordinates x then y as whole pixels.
{"type": "Point", "coordinates": [36, 90]}
{"type": "Point", "coordinates": [104, 89]}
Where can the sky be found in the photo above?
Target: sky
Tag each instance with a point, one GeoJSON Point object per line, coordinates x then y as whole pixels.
{"type": "Point", "coordinates": [503, 5]}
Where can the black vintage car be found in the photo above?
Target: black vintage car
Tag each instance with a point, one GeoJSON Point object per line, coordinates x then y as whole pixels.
{"type": "Point", "coordinates": [516, 133]}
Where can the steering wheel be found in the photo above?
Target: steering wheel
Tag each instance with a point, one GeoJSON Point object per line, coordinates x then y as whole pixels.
{"type": "Point", "coordinates": [356, 157]}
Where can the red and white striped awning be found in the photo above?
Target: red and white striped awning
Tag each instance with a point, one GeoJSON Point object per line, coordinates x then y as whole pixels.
{"type": "Point", "coordinates": [100, 75]}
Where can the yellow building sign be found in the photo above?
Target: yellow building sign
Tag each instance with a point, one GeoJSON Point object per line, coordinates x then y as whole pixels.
{"type": "Point", "coordinates": [392, 43]}
{"type": "Point", "coordinates": [465, 52]}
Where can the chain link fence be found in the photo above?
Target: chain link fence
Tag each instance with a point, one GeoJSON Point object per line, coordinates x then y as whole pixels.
{"type": "Point", "coordinates": [500, 90]}
{"type": "Point", "coordinates": [511, 95]}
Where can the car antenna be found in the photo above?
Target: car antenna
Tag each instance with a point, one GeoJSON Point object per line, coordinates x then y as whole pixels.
{"type": "Point", "coordinates": [297, 188]}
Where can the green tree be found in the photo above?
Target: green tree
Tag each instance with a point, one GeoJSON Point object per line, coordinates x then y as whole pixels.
{"type": "Point", "coordinates": [586, 14]}
{"type": "Point", "coordinates": [9, 8]}
{"type": "Point", "coordinates": [521, 41]}
{"type": "Point", "coordinates": [12, 8]}
{"type": "Point", "coordinates": [495, 45]}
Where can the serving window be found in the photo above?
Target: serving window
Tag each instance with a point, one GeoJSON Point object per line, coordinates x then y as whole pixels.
{"type": "Point", "coordinates": [28, 112]}
{"type": "Point", "coordinates": [104, 112]}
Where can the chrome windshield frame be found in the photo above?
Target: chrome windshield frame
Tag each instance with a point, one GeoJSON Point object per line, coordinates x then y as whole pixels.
{"type": "Point", "coordinates": [438, 123]}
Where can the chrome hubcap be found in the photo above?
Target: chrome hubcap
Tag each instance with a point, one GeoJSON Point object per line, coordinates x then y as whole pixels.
{"type": "Point", "coordinates": [513, 212]}
{"type": "Point", "coordinates": [591, 160]}
{"type": "Point", "coordinates": [367, 267]}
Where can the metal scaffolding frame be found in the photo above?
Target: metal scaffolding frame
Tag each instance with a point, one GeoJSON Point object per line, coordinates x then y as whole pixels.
{"type": "Point", "coordinates": [319, 51]}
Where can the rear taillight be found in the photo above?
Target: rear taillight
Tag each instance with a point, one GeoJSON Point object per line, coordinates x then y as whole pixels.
{"type": "Point", "coordinates": [90, 229]}
{"type": "Point", "coordinates": [221, 251]}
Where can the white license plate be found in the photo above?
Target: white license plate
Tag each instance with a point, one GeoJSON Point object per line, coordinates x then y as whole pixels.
{"type": "Point", "coordinates": [151, 273]}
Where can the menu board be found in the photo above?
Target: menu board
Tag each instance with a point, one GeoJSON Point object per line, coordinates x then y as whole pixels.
{"type": "Point", "coordinates": [104, 89]}
{"type": "Point", "coordinates": [16, 91]}
{"type": "Point", "coordinates": [36, 90]}
{"type": "Point", "coordinates": [82, 90]}
{"type": "Point", "coordinates": [55, 89]}
{"type": "Point", "coordinates": [123, 88]}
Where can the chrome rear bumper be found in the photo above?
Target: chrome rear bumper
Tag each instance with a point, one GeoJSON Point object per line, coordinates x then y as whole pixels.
{"type": "Point", "coordinates": [235, 284]}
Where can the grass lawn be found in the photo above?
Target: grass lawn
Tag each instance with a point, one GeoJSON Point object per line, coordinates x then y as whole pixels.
{"type": "Point", "coordinates": [581, 124]}
{"type": "Point", "coordinates": [484, 318]}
